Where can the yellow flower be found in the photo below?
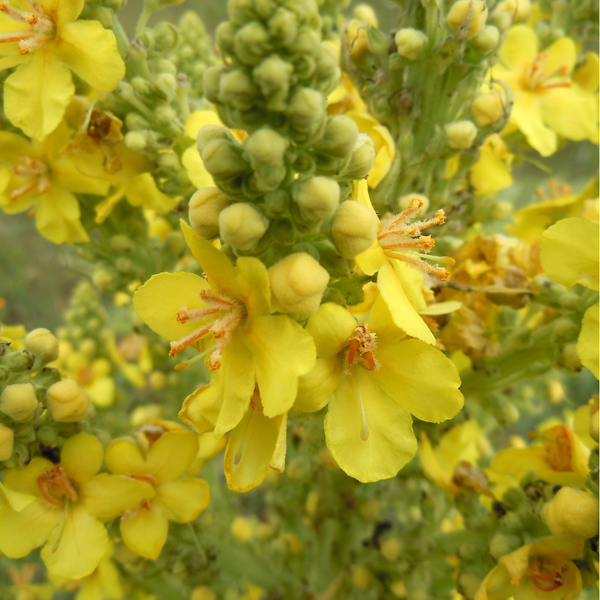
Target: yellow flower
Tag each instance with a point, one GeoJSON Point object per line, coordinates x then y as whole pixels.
{"type": "Point", "coordinates": [48, 42]}
{"type": "Point", "coordinates": [548, 99]}
{"type": "Point", "coordinates": [374, 378]}
{"type": "Point", "coordinates": [231, 316]}
{"type": "Point", "coordinates": [540, 571]}
{"type": "Point", "coordinates": [191, 160]}
{"type": "Point", "coordinates": [62, 508]}
{"type": "Point", "coordinates": [35, 174]}
{"type": "Point", "coordinates": [491, 173]}
{"type": "Point", "coordinates": [569, 254]}
{"type": "Point", "coordinates": [13, 335]}
{"type": "Point", "coordinates": [178, 497]}
{"type": "Point", "coordinates": [557, 456]}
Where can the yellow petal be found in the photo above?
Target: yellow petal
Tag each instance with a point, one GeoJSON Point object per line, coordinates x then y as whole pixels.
{"type": "Point", "coordinates": [569, 252]}
{"type": "Point", "coordinates": [146, 531]}
{"type": "Point", "coordinates": [371, 260]}
{"type": "Point", "coordinates": [198, 119]}
{"type": "Point", "coordinates": [430, 464]}
{"type": "Point", "coordinates": [490, 173]}
{"type": "Point", "coordinates": [18, 500]}
{"type": "Point", "coordinates": [142, 191]}
{"type": "Point", "coordinates": [254, 286]}
{"type": "Point", "coordinates": [527, 114]}
{"type": "Point", "coordinates": [159, 299]}
{"type": "Point", "coordinates": [586, 76]}
{"type": "Point", "coordinates": [250, 449]}
{"type": "Point", "coordinates": [514, 461]}
{"type": "Point", "coordinates": [571, 112]}
{"type": "Point", "coordinates": [76, 546]}
{"type": "Point", "coordinates": [36, 95]}
{"type": "Point", "coordinates": [278, 459]}
{"type": "Point", "coordinates": [390, 443]}
{"type": "Point", "coordinates": [57, 217]}
{"type": "Point", "coordinates": [66, 175]}
{"type": "Point", "coordinates": [184, 498]}
{"type": "Point", "coordinates": [81, 457]}
{"type": "Point", "coordinates": [412, 281]}
{"type": "Point", "coordinates": [123, 457]}
{"type": "Point", "coordinates": [171, 456]}
{"type": "Point", "coordinates": [281, 351]}
{"type": "Point", "coordinates": [25, 480]}
{"type": "Point", "coordinates": [102, 391]}
{"type": "Point", "coordinates": [562, 53]}
{"type": "Point", "coordinates": [195, 168]}
{"type": "Point", "coordinates": [12, 146]}
{"type": "Point", "coordinates": [381, 323]}
{"type": "Point", "coordinates": [108, 496]}
{"type": "Point", "coordinates": [331, 328]}
{"type": "Point", "coordinates": [90, 51]}
{"type": "Point", "coordinates": [318, 385]}
{"type": "Point", "coordinates": [460, 443]}
{"type": "Point", "coordinates": [201, 408]}
{"type": "Point", "coordinates": [62, 11]}
{"type": "Point", "coordinates": [520, 48]}
{"type": "Point", "coordinates": [587, 344]}
{"type": "Point", "coordinates": [27, 529]}
{"type": "Point", "coordinates": [420, 379]}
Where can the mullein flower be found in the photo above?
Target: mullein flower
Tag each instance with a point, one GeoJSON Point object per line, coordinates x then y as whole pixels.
{"type": "Point", "coordinates": [229, 314]}
{"type": "Point", "coordinates": [48, 42]}
{"type": "Point", "coordinates": [179, 497]}
{"type": "Point", "coordinates": [62, 507]}
{"type": "Point", "coordinates": [492, 172]}
{"type": "Point", "coordinates": [373, 378]}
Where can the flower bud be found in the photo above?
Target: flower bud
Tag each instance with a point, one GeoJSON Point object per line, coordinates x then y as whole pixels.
{"type": "Point", "coordinates": [42, 344]}
{"type": "Point", "coordinates": [467, 17]}
{"type": "Point", "coordinates": [20, 360]}
{"type": "Point", "coordinates": [318, 198]}
{"type": "Point", "coordinates": [361, 577]}
{"type": "Point", "coordinates": [211, 80]}
{"type": "Point", "coordinates": [67, 402]}
{"type": "Point", "coordinates": [136, 141]}
{"type": "Point", "coordinates": [503, 543]}
{"type": "Point", "coordinates": [236, 89]}
{"type": "Point", "coordinates": [7, 440]}
{"type": "Point", "coordinates": [223, 158]}
{"type": "Point", "coordinates": [297, 284]}
{"type": "Point", "coordinates": [204, 210]}
{"type": "Point", "coordinates": [354, 228]}
{"type": "Point", "coordinates": [391, 548]}
{"type": "Point", "coordinates": [411, 42]}
{"type": "Point", "coordinates": [203, 593]}
{"type": "Point", "coordinates": [357, 39]}
{"type": "Point", "coordinates": [366, 14]}
{"type": "Point", "coordinates": [18, 401]}
{"type": "Point", "coordinates": [572, 513]}
{"type": "Point", "coordinates": [362, 159]}
{"type": "Point", "coordinates": [487, 40]}
{"type": "Point", "coordinates": [461, 134]}
{"type": "Point", "coordinates": [251, 43]}
{"type": "Point", "coordinates": [501, 20]}
{"type": "Point", "coordinates": [488, 108]}
{"type": "Point", "coordinates": [273, 79]}
{"type": "Point", "coordinates": [242, 226]}
{"type": "Point", "coordinates": [339, 138]}
{"type": "Point", "coordinates": [306, 110]}
{"type": "Point", "coordinates": [517, 9]}
{"type": "Point", "coordinates": [266, 148]}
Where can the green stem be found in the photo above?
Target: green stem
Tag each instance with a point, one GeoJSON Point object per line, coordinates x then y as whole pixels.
{"type": "Point", "coordinates": [123, 42]}
{"type": "Point", "coordinates": [201, 550]}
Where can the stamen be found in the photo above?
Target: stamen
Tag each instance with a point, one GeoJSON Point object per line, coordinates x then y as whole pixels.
{"type": "Point", "coordinates": [24, 189]}
{"type": "Point", "coordinates": [183, 343]}
{"type": "Point", "coordinates": [54, 486]}
{"type": "Point", "coordinates": [536, 79]}
{"type": "Point", "coordinates": [146, 478]}
{"type": "Point", "coordinates": [364, 430]}
{"type": "Point", "coordinates": [184, 314]}
{"type": "Point", "coordinates": [545, 579]}
{"type": "Point", "coordinates": [441, 273]}
{"type": "Point", "coordinates": [186, 364]}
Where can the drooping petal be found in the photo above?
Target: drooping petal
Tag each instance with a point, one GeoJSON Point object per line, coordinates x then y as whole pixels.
{"type": "Point", "coordinates": [75, 546]}
{"type": "Point", "coordinates": [184, 499]}
{"type": "Point", "coordinates": [420, 379]}
{"type": "Point", "coordinates": [27, 529]}
{"type": "Point", "coordinates": [250, 450]}
{"type": "Point", "coordinates": [587, 344]}
{"type": "Point", "coordinates": [123, 457]}
{"type": "Point", "coordinates": [331, 328]}
{"type": "Point", "coordinates": [318, 385]}
{"type": "Point", "coordinates": [142, 191]}
{"type": "Point", "coordinates": [58, 217]}
{"type": "Point", "coordinates": [254, 285]}
{"type": "Point", "coordinates": [281, 350]}
{"type": "Point", "coordinates": [520, 48]}
{"type": "Point", "coordinates": [36, 95]}
{"type": "Point", "coordinates": [81, 457]}
{"type": "Point", "coordinates": [146, 531]}
{"type": "Point", "coordinates": [527, 114]}
{"type": "Point", "coordinates": [201, 408]}
{"type": "Point", "coordinates": [90, 51]}
{"type": "Point", "coordinates": [172, 454]}
{"type": "Point", "coordinates": [108, 496]}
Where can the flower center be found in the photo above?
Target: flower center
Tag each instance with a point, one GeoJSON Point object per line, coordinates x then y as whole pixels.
{"type": "Point", "coordinates": [55, 487]}
{"type": "Point", "coordinates": [361, 349]}
{"type": "Point", "coordinates": [220, 317]}
{"type": "Point", "coordinates": [545, 577]}
{"type": "Point", "coordinates": [536, 79]}
{"type": "Point", "coordinates": [402, 240]}
{"type": "Point", "coordinates": [41, 27]}
{"type": "Point", "coordinates": [36, 175]}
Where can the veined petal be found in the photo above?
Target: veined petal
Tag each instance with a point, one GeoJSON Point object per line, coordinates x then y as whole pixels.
{"type": "Point", "coordinates": [123, 457]}
{"type": "Point", "coordinates": [403, 313]}
{"type": "Point", "coordinates": [520, 48]}
{"type": "Point", "coordinates": [420, 379]}
{"type": "Point", "coordinates": [146, 531]}
{"type": "Point", "coordinates": [27, 529]}
{"type": "Point", "coordinates": [331, 328]}
{"type": "Point", "coordinates": [318, 385]}
{"type": "Point", "coordinates": [142, 191]}
{"type": "Point", "coordinates": [90, 51]}
{"type": "Point", "coordinates": [254, 285]}
{"type": "Point", "coordinates": [76, 546]}
{"type": "Point", "coordinates": [108, 496]}
{"type": "Point", "coordinates": [195, 168]}
{"type": "Point", "coordinates": [36, 95]}
{"type": "Point", "coordinates": [250, 450]}
{"type": "Point", "coordinates": [587, 344]}
{"type": "Point", "coordinates": [58, 218]}
{"type": "Point", "coordinates": [184, 499]}
{"type": "Point", "coordinates": [66, 175]}
{"type": "Point", "coordinates": [281, 351]}
{"type": "Point", "coordinates": [527, 114]}
{"type": "Point", "coordinates": [390, 443]}
{"type": "Point", "coordinates": [172, 454]}
{"type": "Point", "coordinates": [81, 457]}
{"type": "Point", "coordinates": [159, 299]}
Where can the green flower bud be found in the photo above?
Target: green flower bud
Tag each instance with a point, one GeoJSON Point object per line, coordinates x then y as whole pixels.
{"type": "Point", "coordinates": [165, 35]}
{"type": "Point", "coordinates": [569, 358]}
{"type": "Point", "coordinates": [272, 76]}
{"type": "Point", "coordinates": [461, 134]}
{"type": "Point", "coordinates": [488, 108]}
{"type": "Point", "coordinates": [135, 121]}
{"type": "Point", "coordinates": [411, 42]}
{"type": "Point", "coordinates": [208, 133]}
{"type": "Point", "coordinates": [391, 548]}
{"type": "Point", "coordinates": [103, 279]}
{"type": "Point", "coordinates": [5, 373]}
{"type": "Point", "coordinates": [487, 40]}
{"type": "Point", "coordinates": [204, 209]}
{"type": "Point", "coordinates": [19, 401]}
{"type": "Point", "coordinates": [317, 198]}
{"type": "Point", "coordinates": [502, 20]}
{"type": "Point", "coordinates": [297, 284]}
{"type": "Point", "coordinates": [223, 159]}
{"type": "Point", "coordinates": [283, 26]}
{"type": "Point", "coordinates": [252, 43]}
{"type": "Point", "coordinates": [501, 209]}
{"type": "Point", "coordinates": [7, 440]}
{"type": "Point", "coordinates": [242, 226]}
{"type": "Point", "coordinates": [467, 18]}
{"type": "Point", "coordinates": [237, 90]}
{"type": "Point", "coordinates": [241, 11]}
{"type": "Point", "coordinates": [469, 583]}
{"type": "Point", "coordinates": [517, 9]}
{"type": "Point", "coordinates": [354, 228]}
{"type": "Point", "coordinates": [306, 41]}
{"type": "Point", "coordinates": [504, 543]}
{"type": "Point", "coordinates": [43, 345]}
{"type": "Point", "coordinates": [166, 86]}
{"type": "Point", "coordinates": [572, 514]}
{"type": "Point", "coordinates": [564, 329]}
{"type": "Point", "coordinates": [211, 81]}
{"type": "Point", "coordinates": [67, 402]}
{"type": "Point", "coordinates": [306, 110]}
{"type": "Point", "coordinates": [276, 203]}
{"type": "Point", "coordinates": [327, 71]}
{"type": "Point", "coordinates": [47, 435]}
{"type": "Point", "coordinates": [225, 36]}
{"type": "Point", "coordinates": [142, 87]}
{"type": "Point", "coordinates": [340, 136]}
{"type": "Point", "coordinates": [362, 158]}
{"type": "Point", "coordinates": [266, 148]}
{"type": "Point", "coordinates": [20, 360]}
{"type": "Point", "coordinates": [136, 141]}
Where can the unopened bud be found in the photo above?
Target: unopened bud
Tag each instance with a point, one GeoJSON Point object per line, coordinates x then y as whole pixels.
{"type": "Point", "coordinates": [266, 148]}
{"type": "Point", "coordinates": [361, 577]}
{"type": "Point", "coordinates": [222, 158]}
{"type": "Point", "coordinates": [306, 110]}
{"type": "Point", "coordinates": [318, 198]}
{"type": "Point", "coordinates": [204, 210]}
{"type": "Point", "coordinates": [503, 543]}
{"type": "Point", "coordinates": [43, 345]}
{"type": "Point", "coordinates": [517, 9]}
{"type": "Point", "coordinates": [136, 141]}
{"type": "Point", "coordinates": [203, 593]}
{"type": "Point", "coordinates": [501, 20]}
{"type": "Point", "coordinates": [362, 159]}
{"type": "Point", "coordinates": [488, 108]}
{"type": "Point", "coordinates": [357, 39]}
{"type": "Point", "coordinates": [467, 17]}
{"type": "Point", "coordinates": [391, 548]}
{"type": "Point", "coordinates": [339, 138]}
{"type": "Point", "coordinates": [572, 513]}
{"type": "Point", "coordinates": [236, 89]}
{"type": "Point", "coordinates": [487, 40]}
{"type": "Point", "coordinates": [461, 134]}
{"type": "Point", "coordinates": [411, 42]}
{"type": "Point", "coordinates": [67, 402]}
{"type": "Point", "coordinates": [7, 440]}
{"type": "Point", "coordinates": [354, 228]}
{"type": "Point", "coordinates": [19, 401]}
{"type": "Point", "coordinates": [242, 528]}
{"type": "Point", "coordinates": [366, 14]}
{"type": "Point", "coordinates": [273, 79]}
{"type": "Point", "coordinates": [242, 226]}
{"type": "Point", "coordinates": [297, 284]}
{"type": "Point", "coordinates": [18, 361]}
